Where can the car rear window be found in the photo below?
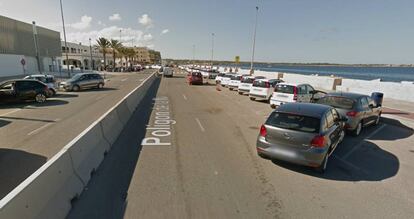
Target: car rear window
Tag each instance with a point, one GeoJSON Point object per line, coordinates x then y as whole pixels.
{"type": "Point", "coordinates": [294, 122]}
{"type": "Point", "coordinates": [196, 74]}
{"type": "Point", "coordinates": [238, 77]}
{"type": "Point", "coordinates": [260, 83]}
{"type": "Point", "coordinates": [337, 102]}
{"type": "Point", "coordinates": [248, 80]}
{"type": "Point", "coordinates": [286, 89]}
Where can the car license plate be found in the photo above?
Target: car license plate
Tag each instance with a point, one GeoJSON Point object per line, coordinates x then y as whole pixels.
{"type": "Point", "coordinates": [284, 96]}
{"type": "Point", "coordinates": [290, 154]}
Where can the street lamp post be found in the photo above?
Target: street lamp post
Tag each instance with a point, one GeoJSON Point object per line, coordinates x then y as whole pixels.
{"type": "Point", "coordinates": [36, 47]}
{"type": "Point", "coordinates": [64, 36]}
{"type": "Point", "coordinates": [254, 41]}
{"type": "Point", "coordinates": [212, 50]}
{"type": "Point", "coordinates": [90, 49]}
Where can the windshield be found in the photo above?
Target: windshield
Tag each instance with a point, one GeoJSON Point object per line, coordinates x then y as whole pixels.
{"type": "Point", "coordinates": [264, 84]}
{"type": "Point", "coordinates": [248, 80]}
{"type": "Point", "coordinates": [286, 89]}
{"type": "Point", "coordinates": [294, 122]}
{"type": "Point", "coordinates": [76, 77]}
{"type": "Point", "coordinates": [337, 102]}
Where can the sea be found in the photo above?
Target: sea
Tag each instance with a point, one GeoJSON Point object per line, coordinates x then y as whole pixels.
{"type": "Point", "coordinates": [392, 74]}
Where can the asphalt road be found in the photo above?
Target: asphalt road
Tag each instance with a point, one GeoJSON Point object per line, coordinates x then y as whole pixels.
{"type": "Point", "coordinates": [211, 169]}
{"type": "Point", "coordinates": [32, 133]}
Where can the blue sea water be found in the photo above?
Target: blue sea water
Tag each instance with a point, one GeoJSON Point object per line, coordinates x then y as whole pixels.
{"type": "Point", "coordinates": [395, 74]}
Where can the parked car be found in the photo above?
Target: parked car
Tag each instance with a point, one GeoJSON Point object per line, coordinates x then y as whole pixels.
{"type": "Point", "coordinates": [290, 93]}
{"type": "Point", "coordinates": [219, 77]}
{"type": "Point", "coordinates": [49, 80]}
{"type": "Point", "coordinates": [213, 73]}
{"type": "Point", "coordinates": [246, 84]}
{"type": "Point", "coordinates": [262, 89]}
{"type": "Point", "coordinates": [195, 78]}
{"type": "Point", "coordinates": [23, 90]}
{"type": "Point", "coordinates": [301, 133]}
{"type": "Point", "coordinates": [83, 81]}
{"type": "Point", "coordinates": [226, 79]}
{"type": "Point", "coordinates": [360, 109]}
{"type": "Point", "coordinates": [168, 72]}
{"type": "Point", "coordinates": [205, 75]}
{"type": "Point", "coordinates": [235, 81]}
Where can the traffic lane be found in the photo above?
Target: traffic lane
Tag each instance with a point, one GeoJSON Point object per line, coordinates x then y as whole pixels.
{"type": "Point", "coordinates": [210, 170]}
{"type": "Point", "coordinates": [381, 154]}
{"type": "Point", "coordinates": [42, 130]}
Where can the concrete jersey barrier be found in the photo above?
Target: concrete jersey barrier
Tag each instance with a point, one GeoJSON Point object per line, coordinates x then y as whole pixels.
{"type": "Point", "coordinates": [48, 192]}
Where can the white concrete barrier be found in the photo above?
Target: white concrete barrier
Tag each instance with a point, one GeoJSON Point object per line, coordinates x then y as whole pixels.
{"type": "Point", "coordinates": [47, 193]}
{"type": "Point", "coordinates": [87, 151]}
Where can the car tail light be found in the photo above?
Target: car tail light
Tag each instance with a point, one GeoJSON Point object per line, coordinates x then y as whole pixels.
{"type": "Point", "coordinates": [263, 131]}
{"type": "Point", "coordinates": [295, 93]}
{"type": "Point", "coordinates": [352, 114]}
{"type": "Point", "coordinates": [267, 84]}
{"type": "Point", "coordinates": [318, 141]}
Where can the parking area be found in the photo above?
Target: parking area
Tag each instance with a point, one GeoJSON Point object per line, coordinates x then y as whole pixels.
{"type": "Point", "coordinates": [210, 167]}
{"type": "Point", "coordinates": [31, 133]}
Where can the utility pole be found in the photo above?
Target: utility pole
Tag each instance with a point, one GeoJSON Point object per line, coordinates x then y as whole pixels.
{"type": "Point", "coordinates": [90, 49]}
{"type": "Point", "coordinates": [254, 42]}
{"type": "Point", "coordinates": [36, 47]}
{"type": "Point", "coordinates": [212, 50]}
{"type": "Point", "coordinates": [64, 36]}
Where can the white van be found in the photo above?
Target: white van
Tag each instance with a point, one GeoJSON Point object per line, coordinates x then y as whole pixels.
{"type": "Point", "coordinates": [246, 84]}
{"type": "Point", "coordinates": [290, 93]}
{"type": "Point", "coordinates": [262, 89]}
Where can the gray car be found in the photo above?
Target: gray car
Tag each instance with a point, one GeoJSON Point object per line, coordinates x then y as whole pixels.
{"type": "Point", "coordinates": [301, 133]}
{"type": "Point", "coordinates": [360, 109]}
{"type": "Point", "coordinates": [83, 81]}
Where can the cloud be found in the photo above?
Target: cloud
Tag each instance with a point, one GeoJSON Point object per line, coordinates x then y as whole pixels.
{"type": "Point", "coordinates": [115, 17]}
{"type": "Point", "coordinates": [165, 31]}
{"type": "Point", "coordinates": [129, 35]}
{"type": "Point", "coordinates": [100, 23]}
{"type": "Point", "coordinates": [84, 23]}
{"type": "Point", "coordinates": [145, 20]}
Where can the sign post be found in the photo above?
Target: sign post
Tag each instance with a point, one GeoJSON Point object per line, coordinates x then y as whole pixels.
{"type": "Point", "coordinates": [23, 62]}
{"type": "Point", "coordinates": [237, 60]}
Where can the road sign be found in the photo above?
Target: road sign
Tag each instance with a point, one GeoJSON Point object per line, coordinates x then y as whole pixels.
{"type": "Point", "coordinates": [237, 59]}
{"type": "Point", "coordinates": [23, 62]}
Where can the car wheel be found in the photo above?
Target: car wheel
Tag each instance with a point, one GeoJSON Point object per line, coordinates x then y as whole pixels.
{"type": "Point", "coordinates": [324, 164]}
{"type": "Point", "coordinates": [377, 120]}
{"type": "Point", "coordinates": [230, 88]}
{"type": "Point", "coordinates": [76, 88]}
{"type": "Point", "coordinates": [40, 98]}
{"type": "Point", "coordinates": [241, 93]}
{"type": "Point", "coordinates": [358, 130]}
{"type": "Point", "coordinates": [252, 98]}
{"type": "Point", "coordinates": [100, 86]}
{"type": "Point", "coordinates": [52, 92]}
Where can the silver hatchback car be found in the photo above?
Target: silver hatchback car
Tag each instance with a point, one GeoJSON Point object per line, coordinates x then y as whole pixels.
{"type": "Point", "coordinates": [301, 133]}
{"type": "Point", "coordinates": [83, 81]}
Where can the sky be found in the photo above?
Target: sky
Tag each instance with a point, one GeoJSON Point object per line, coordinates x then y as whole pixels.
{"type": "Point", "coordinates": [334, 31]}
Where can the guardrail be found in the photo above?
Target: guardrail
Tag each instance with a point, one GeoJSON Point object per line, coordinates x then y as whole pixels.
{"type": "Point", "coordinates": [48, 192]}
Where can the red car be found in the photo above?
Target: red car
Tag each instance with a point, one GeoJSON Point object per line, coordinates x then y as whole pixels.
{"type": "Point", "coordinates": [195, 78]}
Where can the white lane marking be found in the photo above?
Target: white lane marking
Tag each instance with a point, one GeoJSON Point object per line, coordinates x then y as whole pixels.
{"type": "Point", "coordinates": [362, 141]}
{"type": "Point", "coordinates": [199, 124]}
{"type": "Point", "coordinates": [42, 127]}
{"type": "Point", "coordinates": [13, 111]}
{"type": "Point", "coordinates": [185, 98]}
{"type": "Point", "coordinates": [142, 80]}
{"type": "Point", "coordinates": [124, 79]}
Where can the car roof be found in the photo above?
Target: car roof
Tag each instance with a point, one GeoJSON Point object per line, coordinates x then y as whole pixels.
{"type": "Point", "coordinates": [346, 94]}
{"type": "Point", "coordinates": [46, 76]}
{"type": "Point", "coordinates": [290, 84]}
{"type": "Point", "coordinates": [305, 109]}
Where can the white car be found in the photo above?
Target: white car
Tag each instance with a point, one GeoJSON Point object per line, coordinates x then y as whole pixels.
{"type": "Point", "coordinates": [234, 82]}
{"type": "Point", "coordinates": [290, 93]}
{"type": "Point", "coordinates": [226, 79]}
{"type": "Point", "coordinates": [262, 89]}
{"type": "Point", "coordinates": [205, 76]}
{"type": "Point", "coordinates": [246, 84]}
{"type": "Point", "coordinates": [219, 77]}
{"type": "Point", "coordinates": [49, 80]}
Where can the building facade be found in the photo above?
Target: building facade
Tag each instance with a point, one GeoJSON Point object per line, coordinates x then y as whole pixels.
{"type": "Point", "coordinates": [146, 56]}
{"type": "Point", "coordinates": [80, 56]}
{"type": "Point", "coordinates": [27, 49]}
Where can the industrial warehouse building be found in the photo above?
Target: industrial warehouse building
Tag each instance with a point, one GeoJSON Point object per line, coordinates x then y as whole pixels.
{"type": "Point", "coordinates": [18, 48]}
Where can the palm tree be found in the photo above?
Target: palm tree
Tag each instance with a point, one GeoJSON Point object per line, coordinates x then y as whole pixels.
{"type": "Point", "coordinates": [103, 45]}
{"type": "Point", "coordinates": [116, 47]}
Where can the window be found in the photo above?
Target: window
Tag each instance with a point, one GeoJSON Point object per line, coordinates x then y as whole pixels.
{"type": "Point", "coordinates": [335, 115]}
{"type": "Point", "coordinates": [302, 89]}
{"type": "Point", "coordinates": [248, 80]}
{"type": "Point", "coordinates": [310, 89]}
{"type": "Point", "coordinates": [364, 103]}
{"type": "Point", "coordinates": [25, 85]}
{"type": "Point", "coordinates": [294, 122]}
{"type": "Point", "coordinates": [337, 102]}
{"type": "Point", "coordinates": [286, 89]}
{"type": "Point", "coordinates": [329, 119]}
{"type": "Point", "coordinates": [371, 101]}
{"type": "Point", "coordinates": [7, 86]}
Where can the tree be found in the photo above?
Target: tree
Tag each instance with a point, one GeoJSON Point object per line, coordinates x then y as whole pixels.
{"type": "Point", "coordinates": [116, 47]}
{"type": "Point", "coordinates": [103, 45]}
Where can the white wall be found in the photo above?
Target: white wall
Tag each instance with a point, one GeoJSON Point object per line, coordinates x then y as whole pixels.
{"type": "Point", "coordinates": [10, 65]}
